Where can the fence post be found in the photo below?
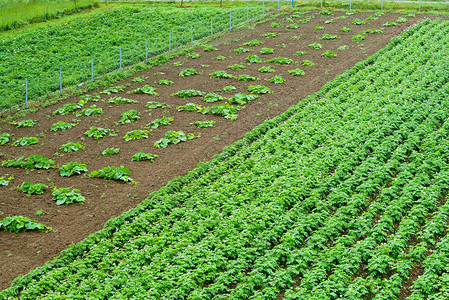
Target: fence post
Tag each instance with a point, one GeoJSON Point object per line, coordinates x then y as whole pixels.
{"type": "Point", "coordinates": [263, 9]}
{"type": "Point", "coordinates": [211, 29]}
{"type": "Point", "coordinates": [191, 35]}
{"type": "Point", "coordinates": [278, 6]}
{"type": "Point", "coordinates": [293, 3]}
{"type": "Point", "coordinates": [120, 59]}
{"type": "Point", "coordinates": [381, 4]}
{"type": "Point", "coordinates": [169, 42]}
{"type": "Point", "coordinates": [92, 67]}
{"type": "Point", "coordinates": [230, 21]}
{"type": "Point", "coordinates": [321, 5]}
{"type": "Point", "coordinates": [146, 51]}
{"type": "Point", "coordinates": [247, 14]}
{"type": "Point", "coordinates": [419, 5]}
{"type": "Point", "coordinates": [26, 92]}
{"type": "Point", "coordinates": [350, 4]}
{"type": "Point", "coordinates": [60, 79]}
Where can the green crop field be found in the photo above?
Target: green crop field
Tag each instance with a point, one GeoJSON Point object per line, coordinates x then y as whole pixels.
{"type": "Point", "coordinates": [340, 197]}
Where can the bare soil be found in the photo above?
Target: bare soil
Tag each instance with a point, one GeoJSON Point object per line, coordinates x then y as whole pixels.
{"type": "Point", "coordinates": [20, 253]}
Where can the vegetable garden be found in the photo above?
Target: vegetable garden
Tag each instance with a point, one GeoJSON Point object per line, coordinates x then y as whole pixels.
{"type": "Point", "coordinates": [339, 195]}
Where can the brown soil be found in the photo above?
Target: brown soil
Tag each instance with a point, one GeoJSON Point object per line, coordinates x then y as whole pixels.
{"type": "Point", "coordinates": [19, 253]}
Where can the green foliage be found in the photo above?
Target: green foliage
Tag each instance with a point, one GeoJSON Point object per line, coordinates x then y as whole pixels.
{"type": "Point", "coordinates": [297, 72]}
{"type": "Point", "coordinates": [204, 124]}
{"type": "Point", "coordinates": [188, 72]}
{"type": "Point", "coordinates": [140, 156]}
{"type": "Point", "coordinates": [110, 151]}
{"type": "Point", "coordinates": [292, 26]}
{"type": "Point", "coordinates": [113, 173]}
{"type": "Point", "coordinates": [221, 74]}
{"type": "Point", "coordinates": [224, 109]}
{"type": "Point", "coordinates": [358, 22]}
{"type": "Point", "coordinates": [212, 97]}
{"type": "Point", "coordinates": [329, 53]}
{"type": "Point", "coordinates": [281, 60]}
{"type": "Point", "coordinates": [401, 20]}
{"type": "Point", "coordinates": [267, 51]}
{"type": "Point", "coordinates": [61, 126]}
{"type": "Point", "coordinates": [275, 25]}
{"type": "Point", "coordinates": [155, 104]}
{"type": "Point", "coordinates": [389, 24]}
{"type": "Point", "coordinates": [93, 110]}
{"type": "Point", "coordinates": [30, 188]}
{"type": "Point", "coordinates": [190, 107]}
{"type": "Point", "coordinates": [97, 132]}
{"type": "Point", "coordinates": [136, 135]}
{"type": "Point", "coordinates": [303, 21]}
{"type": "Point", "coordinates": [373, 30]}
{"type": "Point", "coordinates": [189, 93]}
{"type": "Point", "coordinates": [172, 137]}
{"type": "Point", "coordinates": [245, 77]}
{"type": "Point", "coordinates": [358, 37]}
{"type": "Point", "coordinates": [379, 14]}
{"type": "Point", "coordinates": [138, 79]}
{"type": "Point", "coordinates": [306, 62]}
{"type": "Point", "coordinates": [314, 46]}
{"type": "Point", "coordinates": [5, 138]}
{"type": "Point", "coordinates": [68, 108]}
{"type": "Point", "coordinates": [146, 89]}
{"type": "Point", "coordinates": [299, 53]}
{"type": "Point", "coordinates": [72, 147]}
{"type": "Point", "coordinates": [253, 59]}
{"type": "Point", "coordinates": [326, 12]}
{"type": "Point", "coordinates": [229, 88]}
{"type": "Point", "coordinates": [318, 27]}
{"type": "Point", "coordinates": [129, 117]}
{"type": "Point", "coordinates": [25, 141]}
{"type": "Point", "coordinates": [67, 196]}
{"type": "Point", "coordinates": [5, 180]}
{"type": "Point", "coordinates": [24, 123]}
{"type": "Point", "coordinates": [269, 35]}
{"type": "Point", "coordinates": [236, 67]}
{"type": "Point", "coordinates": [241, 50]}
{"type": "Point", "coordinates": [72, 168]}
{"type": "Point", "coordinates": [192, 55]}
{"type": "Point", "coordinates": [277, 79]}
{"type": "Point", "coordinates": [242, 98]}
{"type": "Point", "coordinates": [343, 47]}
{"type": "Point", "coordinates": [327, 36]}
{"type": "Point", "coordinates": [164, 121]}
{"type": "Point", "coordinates": [266, 69]}
{"type": "Point", "coordinates": [351, 12]}
{"type": "Point", "coordinates": [165, 82]}
{"type": "Point", "coordinates": [18, 224]}
{"type": "Point", "coordinates": [89, 98]}
{"type": "Point", "coordinates": [114, 89]}
{"type": "Point", "coordinates": [345, 29]}
{"type": "Point", "coordinates": [252, 43]}
{"type": "Point", "coordinates": [31, 162]}
{"type": "Point", "coordinates": [220, 57]}
{"type": "Point", "coordinates": [259, 89]}
{"type": "Point", "coordinates": [120, 100]}
{"type": "Point", "coordinates": [209, 48]}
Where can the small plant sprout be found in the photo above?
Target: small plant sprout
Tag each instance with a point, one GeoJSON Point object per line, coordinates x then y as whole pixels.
{"type": "Point", "coordinates": [252, 43]}
{"type": "Point", "coordinates": [241, 50]}
{"type": "Point", "coordinates": [236, 67]}
{"type": "Point", "coordinates": [140, 156]}
{"type": "Point", "coordinates": [297, 72]}
{"type": "Point", "coordinates": [30, 188]}
{"type": "Point", "coordinates": [212, 97]}
{"type": "Point", "coordinates": [267, 51]}
{"type": "Point", "coordinates": [306, 62]}
{"type": "Point", "coordinates": [220, 57]}
{"type": "Point", "coordinates": [67, 196]}
{"type": "Point", "coordinates": [25, 141]}
{"type": "Point", "coordinates": [221, 74]}
{"type": "Point", "coordinates": [71, 147]}
{"type": "Point", "coordinates": [189, 93]}
{"type": "Point", "coordinates": [345, 29]}
{"type": "Point", "coordinates": [97, 132]}
{"type": "Point", "coordinates": [318, 28]}
{"type": "Point", "coordinates": [136, 135]}
{"type": "Point", "coordinates": [314, 46]}
{"type": "Point", "coordinates": [110, 151]}
{"type": "Point", "coordinates": [253, 59]}
{"type": "Point", "coordinates": [204, 124]}
{"type": "Point", "coordinates": [229, 88]}
{"type": "Point", "coordinates": [299, 53]}
{"type": "Point", "coordinates": [192, 55]}
{"type": "Point", "coordinates": [259, 89]}
{"type": "Point", "coordinates": [24, 123]}
{"type": "Point", "coordinates": [72, 168]}
{"type": "Point", "coordinates": [277, 79]}
{"type": "Point", "coordinates": [188, 72]}
{"type": "Point", "coordinates": [165, 82]}
{"type": "Point", "coordinates": [266, 69]}
{"type": "Point", "coordinates": [209, 48]}
{"type": "Point", "coordinates": [120, 100]}
{"type": "Point", "coordinates": [329, 53]}
{"type": "Point", "coordinates": [146, 89]}
{"type": "Point", "coordinates": [246, 77]}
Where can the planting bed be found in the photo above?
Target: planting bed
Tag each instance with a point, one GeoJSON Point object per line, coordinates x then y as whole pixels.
{"type": "Point", "coordinates": [19, 253]}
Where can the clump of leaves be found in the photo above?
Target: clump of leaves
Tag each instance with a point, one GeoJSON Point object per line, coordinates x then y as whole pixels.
{"type": "Point", "coordinates": [297, 72]}
{"type": "Point", "coordinates": [345, 29]}
{"type": "Point", "coordinates": [120, 100]}
{"type": "Point", "coordinates": [270, 34]}
{"type": "Point", "coordinates": [358, 22]}
{"type": "Point", "coordinates": [31, 162]}
{"type": "Point", "coordinates": [327, 36]}
{"type": "Point", "coordinates": [373, 30]}
{"type": "Point", "coordinates": [155, 104]}
{"type": "Point", "coordinates": [299, 53]}
{"type": "Point", "coordinates": [164, 121]}
{"type": "Point", "coordinates": [277, 79]}
{"type": "Point", "coordinates": [266, 69]}
{"type": "Point", "coordinates": [306, 62]}
{"type": "Point", "coordinates": [389, 24]}
{"type": "Point", "coordinates": [97, 132]}
{"type": "Point", "coordinates": [61, 125]}
{"type": "Point", "coordinates": [204, 124]}
{"type": "Point", "coordinates": [87, 98]}
{"type": "Point", "coordinates": [114, 89]}
{"type": "Point", "coordinates": [314, 46]}
{"type": "Point", "coordinates": [351, 12]}
{"type": "Point", "coordinates": [358, 37]}
{"type": "Point", "coordinates": [329, 53]}
{"type": "Point", "coordinates": [189, 93]}
{"type": "Point", "coordinates": [188, 72]}
{"type": "Point", "coordinates": [253, 59]}
{"type": "Point", "coordinates": [25, 141]}
{"type": "Point", "coordinates": [23, 123]}
{"type": "Point", "coordinates": [241, 50]}
{"type": "Point", "coordinates": [379, 14]}
{"type": "Point", "coordinates": [252, 43]}
{"type": "Point", "coordinates": [140, 156]}
{"type": "Point", "coordinates": [72, 168]}
{"type": "Point", "coordinates": [297, 37]}
{"type": "Point", "coordinates": [326, 12]}
{"type": "Point", "coordinates": [93, 110]}
{"type": "Point", "coordinates": [212, 97]}
{"type": "Point", "coordinates": [229, 88]}
{"type": "Point", "coordinates": [246, 77]}
{"type": "Point", "coordinates": [225, 110]}
{"type": "Point", "coordinates": [236, 67]}
{"type": "Point", "coordinates": [146, 89]}
{"type": "Point", "coordinates": [292, 26]}
{"type": "Point", "coordinates": [275, 25]}
{"type": "Point", "coordinates": [138, 79]}
{"type": "Point", "coordinates": [220, 57]}
{"type": "Point", "coordinates": [68, 108]}
{"type": "Point", "coordinates": [259, 89]}
{"type": "Point", "coordinates": [30, 188]}
{"type": "Point", "coordinates": [209, 48]}
{"type": "Point", "coordinates": [318, 27]}
{"type": "Point", "coordinates": [242, 98]}
{"type": "Point", "coordinates": [5, 138]}
{"type": "Point", "coordinates": [303, 21]}
{"type": "Point", "coordinates": [329, 21]}
{"type": "Point", "coordinates": [281, 60]}
{"type": "Point", "coordinates": [110, 151]}
{"type": "Point", "coordinates": [71, 147]}
{"type": "Point", "coordinates": [5, 180]}
{"type": "Point", "coordinates": [67, 196]}
{"type": "Point", "coordinates": [173, 137]}
{"type": "Point", "coordinates": [165, 82]}
{"type": "Point", "coordinates": [221, 74]}
{"type": "Point", "coordinates": [192, 55]}
{"type": "Point", "coordinates": [129, 117]}
{"type": "Point", "coordinates": [18, 224]}
{"type": "Point", "coordinates": [113, 173]}
{"type": "Point", "coordinates": [136, 135]}
{"type": "Point", "coordinates": [401, 20]}
{"type": "Point", "coordinates": [267, 51]}
{"type": "Point", "coordinates": [343, 47]}
{"type": "Point", "coordinates": [190, 107]}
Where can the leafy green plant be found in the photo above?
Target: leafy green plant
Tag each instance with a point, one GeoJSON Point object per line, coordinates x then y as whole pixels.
{"type": "Point", "coordinates": [269, 35]}
{"type": "Point", "coordinates": [236, 67]}
{"type": "Point", "coordinates": [31, 162]}
{"type": "Point", "coordinates": [358, 22]}
{"type": "Point", "coordinates": [30, 188]}
{"type": "Point", "coordinates": [146, 89]}
{"type": "Point", "coordinates": [253, 59]}
{"type": "Point", "coordinates": [281, 60]}
{"type": "Point", "coordinates": [129, 117]}
{"type": "Point", "coordinates": [110, 151]}
{"type": "Point", "coordinates": [326, 12]}
{"type": "Point", "coordinates": [138, 79]}
{"type": "Point", "coordinates": [189, 93]}
{"type": "Point", "coordinates": [5, 180]}
{"type": "Point", "coordinates": [297, 37]}
{"type": "Point", "coordinates": [71, 147]}
{"type": "Point", "coordinates": [252, 43]}
{"type": "Point", "coordinates": [292, 26]}
{"type": "Point", "coordinates": [229, 88]}
{"type": "Point", "coordinates": [25, 141]}
{"type": "Point", "coordinates": [93, 110]}
{"type": "Point", "coordinates": [242, 98]}
{"type": "Point", "coordinates": [212, 97]}
{"type": "Point", "coordinates": [72, 168]}
{"type": "Point", "coordinates": [343, 47]}
{"type": "Point", "coordinates": [246, 77]}
{"type": "Point", "coordinates": [165, 82]}
{"type": "Point", "coordinates": [379, 14]}
{"type": "Point", "coordinates": [5, 138]}
{"type": "Point", "coordinates": [188, 72]}
{"type": "Point", "coordinates": [23, 123]}
{"type": "Point", "coordinates": [204, 124]}
{"type": "Point", "coordinates": [329, 53]}
{"type": "Point", "coordinates": [351, 12]}
{"type": "Point", "coordinates": [318, 27]}
{"type": "Point", "coordinates": [136, 135]}
{"type": "Point", "coordinates": [164, 121]}
{"type": "Point", "coordinates": [68, 108]}
{"type": "Point", "coordinates": [209, 48]}
{"type": "Point", "coordinates": [220, 57]}
{"type": "Point", "coordinates": [327, 36]}
{"type": "Point", "coordinates": [266, 69]}
{"type": "Point", "coordinates": [303, 21]}
{"type": "Point", "coordinates": [114, 89]}
{"type": "Point", "coordinates": [358, 37]}
{"type": "Point", "coordinates": [221, 74]}
{"type": "Point", "coordinates": [113, 173]}
{"type": "Point", "coordinates": [192, 55]}
{"type": "Point", "coordinates": [314, 46]}
{"type": "Point", "coordinates": [306, 62]}
{"type": "Point", "coordinates": [275, 25]}
{"type": "Point", "coordinates": [225, 110]}
{"type": "Point", "coordinates": [345, 29]}
{"type": "Point", "coordinates": [190, 107]}
{"type": "Point", "coordinates": [97, 132]}
{"type": "Point", "coordinates": [373, 30]}
{"type": "Point", "coordinates": [401, 20]}
{"type": "Point", "coordinates": [277, 79]}
{"type": "Point", "coordinates": [329, 21]}
{"type": "Point", "coordinates": [140, 156]}
{"type": "Point", "coordinates": [67, 196]}
{"type": "Point", "coordinates": [61, 125]}
{"type": "Point", "coordinates": [299, 53]}
{"type": "Point", "coordinates": [120, 100]}
{"type": "Point", "coordinates": [259, 89]}
{"type": "Point", "coordinates": [267, 51]}
{"type": "Point", "coordinates": [18, 224]}
{"type": "Point", "coordinates": [172, 137]}
{"type": "Point", "coordinates": [155, 104]}
{"type": "Point", "coordinates": [241, 50]}
{"type": "Point", "coordinates": [389, 24]}
{"type": "Point", "coordinates": [297, 72]}
{"type": "Point", "coordinates": [89, 98]}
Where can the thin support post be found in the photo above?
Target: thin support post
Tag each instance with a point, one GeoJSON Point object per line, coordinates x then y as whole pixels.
{"type": "Point", "coordinates": [293, 3]}
{"type": "Point", "coordinates": [350, 4]}
{"type": "Point", "coordinates": [45, 10]}
{"type": "Point", "coordinates": [321, 5]}
{"type": "Point", "coordinates": [146, 51]}
{"type": "Point", "coordinates": [191, 35]}
{"type": "Point", "coordinates": [230, 21]}
{"type": "Point", "coordinates": [92, 67]}
{"type": "Point", "coordinates": [169, 42]}
{"type": "Point", "coordinates": [211, 29]}
{"type": "Point", "coordinates": [263, 9]}
{"type": "Point", "coordinates": [278, 6]}
{"type": "Point", "coordinates": [26, 92]}
{"type": "Point", "coordinates": [381, 4]}
{"type": "Point", "coordinates": [247, 14]}
{"type": "Point", "coordinates": [60, 79]}
{"type": "Point", "coordinates": [120, 59]}
{"type": "Point", "coordinates": [419, 5]}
